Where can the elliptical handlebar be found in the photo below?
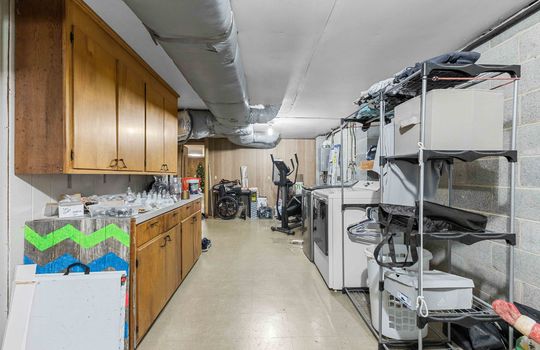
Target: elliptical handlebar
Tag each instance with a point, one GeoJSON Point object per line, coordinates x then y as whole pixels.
{"type": "Point", "coordinates": [292, 168]}
{"type": "Point", "coordinates": [295, 167]}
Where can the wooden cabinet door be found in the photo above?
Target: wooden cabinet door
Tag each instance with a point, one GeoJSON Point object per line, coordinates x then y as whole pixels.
{"type": "Point", "coordinates": [197, 231]}
{"type": "Point", "coordinates": [154, 129]}
{"type": "Point", "coordinates": [178, 251]}
{"type": "Point", "coordinates": [187, 246]}
{"type": "Point", "coordinates": [150, 276]}
{"type": "Point", "coordinates": [94, 104]}
{"type": "Point", "coordinates": [172, 261]}
{"type": "Point", "coordinates": [131, 119]}
{"type": "Point", "coordinates": [170, 135]}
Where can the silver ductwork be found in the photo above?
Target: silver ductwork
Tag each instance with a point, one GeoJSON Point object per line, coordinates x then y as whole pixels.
{"type": "Point", "coordinates": [201, 38]}
{"type": "Point", "coordinates": [203, 124]}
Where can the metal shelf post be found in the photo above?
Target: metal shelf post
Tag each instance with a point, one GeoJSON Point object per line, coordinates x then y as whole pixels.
{"type": "Point", "coordinates": [512, 206]}
{"type": "Point", "coordinates": [420, 190]}
{"type": "Point", "coordinates": [381, 189]}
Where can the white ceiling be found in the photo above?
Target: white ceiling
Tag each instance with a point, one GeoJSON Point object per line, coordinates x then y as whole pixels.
{"type": "Point", "coordinates": [315, 56]}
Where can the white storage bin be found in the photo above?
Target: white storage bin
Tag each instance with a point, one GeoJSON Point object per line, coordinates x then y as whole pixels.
{"type": "Point", "coordinates": [398, 321]}
{"type": "Point", "coordinates": [456, 119]}
{"type": "Point", "coordinates": [442, 291]}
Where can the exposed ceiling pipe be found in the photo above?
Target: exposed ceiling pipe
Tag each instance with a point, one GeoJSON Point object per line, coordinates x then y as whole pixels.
{"type": "Point", "coordinates": [203, 125]}
{"type": "Point", "coordinates": [201, 38]}
{"type": "Point", "coordinates": [517, 17]}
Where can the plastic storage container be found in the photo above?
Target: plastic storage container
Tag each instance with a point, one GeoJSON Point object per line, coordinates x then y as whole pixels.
{"type": "Point", "coordinates": [456, 119]}
{"type": "Point", "coordinates": [442, 291]}
{"type": "Point", "coordinates": [398, 321]}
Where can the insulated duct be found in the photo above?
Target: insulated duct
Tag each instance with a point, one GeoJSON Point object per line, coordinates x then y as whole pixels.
{"type": "Point", "coordinates": [201, 38]}
{"type": "Point", "coordinates": [203, 124]}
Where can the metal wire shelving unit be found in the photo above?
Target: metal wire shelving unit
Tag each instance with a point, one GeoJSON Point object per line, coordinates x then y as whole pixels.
{"type": "Point", "coordinates": [442, 76]}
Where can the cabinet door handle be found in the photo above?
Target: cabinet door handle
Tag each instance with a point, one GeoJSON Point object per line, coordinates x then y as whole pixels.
{"type": "Point", "coordinates": [113, 163]}
{"type": "Point", "coordinates": [164, 242]}
{"type": "Point", "coordinates": [168, 238]}
{"type": "Point", "coordinates": [193, 219]}
{"type": "Point", "coordinates": [162, 167]}
{"type": "Point", "coordinates": [124, 166]}
{"type": "Point", "coordinates": [166, 167]}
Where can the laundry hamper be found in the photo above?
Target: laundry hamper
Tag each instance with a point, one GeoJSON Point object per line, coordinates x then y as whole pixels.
{"type": "Point", "coordinates": [398, 322]}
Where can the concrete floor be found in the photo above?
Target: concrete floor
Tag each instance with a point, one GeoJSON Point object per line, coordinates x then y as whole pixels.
{"type": "Point", "coordinates": [255, 290]}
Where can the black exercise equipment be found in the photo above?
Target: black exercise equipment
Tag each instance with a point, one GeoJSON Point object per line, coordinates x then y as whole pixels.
{"type": "Point", "coordinates": [290, 205]}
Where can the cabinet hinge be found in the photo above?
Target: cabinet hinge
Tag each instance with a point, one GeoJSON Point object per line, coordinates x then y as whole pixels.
{"type": "Point", "coordinates": [71, 37]}
{"type": "Point", "coordinates": [136, 263]}
{"type": "Point", "coordinates": [72, 155]}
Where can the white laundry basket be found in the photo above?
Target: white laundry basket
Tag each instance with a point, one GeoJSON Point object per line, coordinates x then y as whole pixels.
{"type": "Point", "coordinates": [398, 322]}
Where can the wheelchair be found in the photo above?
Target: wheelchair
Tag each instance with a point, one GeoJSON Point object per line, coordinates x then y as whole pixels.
{"type": "Point", "coordinates": [228, 194]}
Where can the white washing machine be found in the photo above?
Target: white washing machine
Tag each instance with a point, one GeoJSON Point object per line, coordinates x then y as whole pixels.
{"type": "Point", "coordinates": [328, 234]}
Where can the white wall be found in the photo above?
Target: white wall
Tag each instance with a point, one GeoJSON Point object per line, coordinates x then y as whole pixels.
{"type": "Point", "coordinates": [4, 260]}
{"type": "Point", "coordinates": [23, 198]}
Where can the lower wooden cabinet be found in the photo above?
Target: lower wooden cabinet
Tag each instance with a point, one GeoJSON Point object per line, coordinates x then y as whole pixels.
{"type": "Point", "coordinates": [167, 248]}
{"type": "Point", "coordinates": [151, 296]}
{"type": "Point", "coordinates": [188, 256]}
{"type": "Point", "coordinates": [197, 232]}
{"type": "Point", "coordinates": [172, 260]}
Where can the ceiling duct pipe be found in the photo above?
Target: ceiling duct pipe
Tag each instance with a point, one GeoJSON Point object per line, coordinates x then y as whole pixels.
{"type": "Point", "coordinates": [201, 38]}
{"type": "Point", "coordinates": [203, 124]}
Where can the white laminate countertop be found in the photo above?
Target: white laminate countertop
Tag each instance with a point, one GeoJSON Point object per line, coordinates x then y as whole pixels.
{"type": "Point", "coordinates": [153, 213]}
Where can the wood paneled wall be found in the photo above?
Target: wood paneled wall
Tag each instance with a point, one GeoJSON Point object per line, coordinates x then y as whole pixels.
{"type": "Point", "coordinates": [226, 158]}
{"type": "Point", "coordinates": [192, 165]}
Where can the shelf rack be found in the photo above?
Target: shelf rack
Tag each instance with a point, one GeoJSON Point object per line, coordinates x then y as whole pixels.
{"type": "Point", "coordinates": [360, 299]}
{"type": "Point", "coordinates": [439, 76]}
{"type": "Point", "coordinates": [442, 76]}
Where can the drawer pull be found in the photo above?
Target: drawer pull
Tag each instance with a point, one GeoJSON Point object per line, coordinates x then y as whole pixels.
{"type": "Point", "coordinates": [175, 214]}
{"type": "Point", "coordinates": [154, 224]}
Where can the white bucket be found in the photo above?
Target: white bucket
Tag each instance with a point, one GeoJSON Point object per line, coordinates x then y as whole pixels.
{"type": "Point", "coordinates": [398, 322]}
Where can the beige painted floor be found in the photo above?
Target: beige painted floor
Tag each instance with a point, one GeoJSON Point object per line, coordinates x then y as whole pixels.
{"type": "Point", "coordinates": [255, 290]}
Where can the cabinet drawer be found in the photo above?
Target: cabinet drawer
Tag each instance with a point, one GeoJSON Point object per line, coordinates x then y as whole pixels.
{"type": "Point", "coordinates": [148, 230]}
{"type": "Point", "coordinates": [196, 206]}
{"type": "Point", "coordinates": [172, 219]}
{"type": "Point", "coordinates": [186, 210]}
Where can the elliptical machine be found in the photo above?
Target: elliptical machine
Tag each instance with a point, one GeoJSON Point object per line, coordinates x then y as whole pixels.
{"type": "Point", "coordinates": [290, 205]}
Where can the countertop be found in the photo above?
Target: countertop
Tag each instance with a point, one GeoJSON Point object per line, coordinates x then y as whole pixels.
{"type": "Point", "coordinates": [153, 213]}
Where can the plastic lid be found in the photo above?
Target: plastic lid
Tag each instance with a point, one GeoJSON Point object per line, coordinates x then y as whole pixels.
{"type": "Point", "coordinates": [432, 280]}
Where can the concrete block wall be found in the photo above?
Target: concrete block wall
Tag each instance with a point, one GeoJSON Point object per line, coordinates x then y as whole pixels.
{"type": "Point", "coordinates": [484, 185]}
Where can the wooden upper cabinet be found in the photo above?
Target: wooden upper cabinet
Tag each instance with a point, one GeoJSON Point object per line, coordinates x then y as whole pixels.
{"type": "Point", "coordinates": [161, 130]}
{"type": "Point", "coordinates": [94, 104]}
{"type": "Point", "coordinates": [82, 102]}
{"type": "Point", "coordinates": [131, 119]}
{"type": "Point", "coordinates": [170, 134]}
{"type": "Point", "coordinates": [154, 129]}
